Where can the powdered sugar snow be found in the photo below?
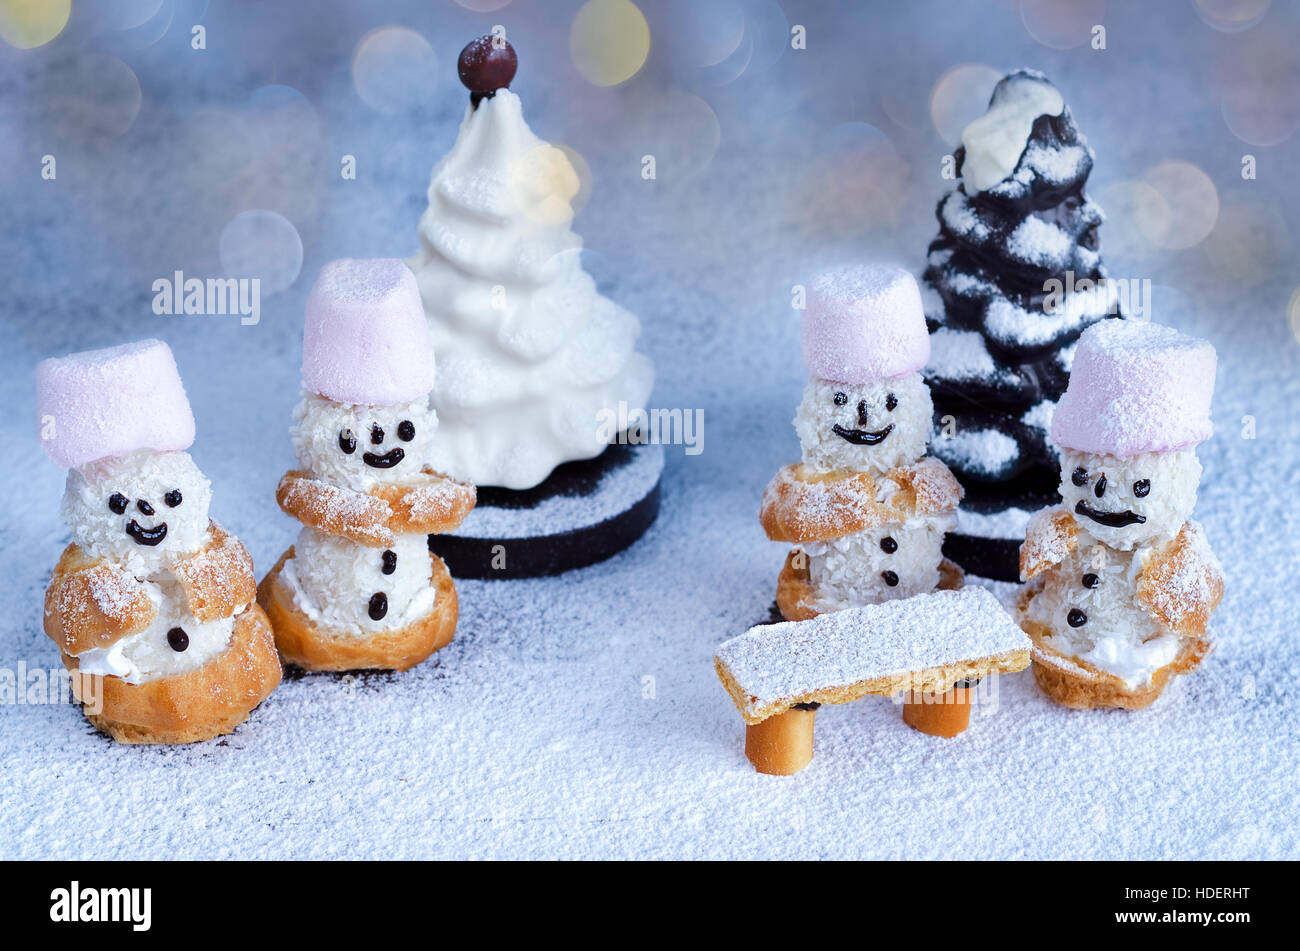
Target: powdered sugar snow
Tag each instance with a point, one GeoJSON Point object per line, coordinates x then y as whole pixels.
{"type": "Point", "coordinates": [580, 716]}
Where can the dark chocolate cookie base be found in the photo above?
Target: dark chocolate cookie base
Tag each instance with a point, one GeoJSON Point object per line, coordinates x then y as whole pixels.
{"type": "Point", "coordinates": [564, 548]}
{"type": "Point", "coordinates": [996, 558]}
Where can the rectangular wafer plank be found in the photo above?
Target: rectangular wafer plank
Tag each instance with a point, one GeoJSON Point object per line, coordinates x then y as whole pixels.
{"type": "Point", "coordinates": [926, 642]}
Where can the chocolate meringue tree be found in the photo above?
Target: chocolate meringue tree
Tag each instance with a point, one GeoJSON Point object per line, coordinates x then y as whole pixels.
{"type": "Point", "coordinates": [1012, 280]}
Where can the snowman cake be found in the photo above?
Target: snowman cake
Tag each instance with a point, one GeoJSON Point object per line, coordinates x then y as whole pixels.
{"type": "Point", "coordinates": [866, 510]}
{"type": "Point", "coordinates": [152, 605]}
{"type": "Point", "coordinates": [1121, 581]}
{"type": "Point", "coordinates": [359, 588]}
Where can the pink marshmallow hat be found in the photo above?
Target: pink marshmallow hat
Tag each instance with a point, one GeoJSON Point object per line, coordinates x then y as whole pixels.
{"type": "Point", "coordinates": [97, 404]}
{"type": "Point", "coordinates": [864, 324]}
{"type": "Point", "coordinates": [365, 338]}
{"type": "Point", "coordinates": [1136, 387]}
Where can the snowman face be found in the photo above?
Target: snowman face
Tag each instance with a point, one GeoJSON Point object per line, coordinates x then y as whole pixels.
{"type": "Point", "coordinates": [869, 427]}
{"type": "Point", "coordinates": [1129, 502]}
{"type": "Point", "coordinates": [140, 510]}
{"type": "Point", "coordinates": [361, 446]}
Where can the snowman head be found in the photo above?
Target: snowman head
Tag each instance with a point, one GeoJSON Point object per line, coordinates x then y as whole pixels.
{"type": "Point", "coordinates": [142, 510]}
{"type": "Point", "coordinates": [868, 427]}
{"type": "Point", "coordinates": [864, 339]}
{"type": "Point", "coordinates": [1133, 501]}
{"type": "Point", "coordinates": [1137, 405]}
{"type": "Point", "coordinates": [359, 446]}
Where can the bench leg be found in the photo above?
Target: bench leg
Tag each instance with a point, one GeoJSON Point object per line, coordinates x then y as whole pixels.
{"type": "Point", "coordinates": [939, 715]}
{"type": "Point", "coordinates": [783, 744]}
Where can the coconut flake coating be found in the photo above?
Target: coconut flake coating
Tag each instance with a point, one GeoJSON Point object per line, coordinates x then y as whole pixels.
{"type": "Point", "coordinates": [864, 407]}
{"type": "Point", "coordinates": [1118, 635]}
{"type": "Point", "coordinates": [149, 654]}
{"type": "Point", "coordinates": [332, 581]}
{"type": "Point", "coordinates": [1165, 503]}
{"type": "Point", "coordinates": [851, 570]}
{"type": "Point", "coordinates": [147, 477]}
{"type": "Point", "coordinates": [319, 425]}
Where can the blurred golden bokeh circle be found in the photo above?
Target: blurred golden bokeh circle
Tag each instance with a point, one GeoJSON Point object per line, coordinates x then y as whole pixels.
{"type": "Point", "coordinates": [1193, 203]}
{"type": "Point", "coordinates": [1232, 16]}
{"type": "Point", "coordinates": [27, 24]}
{"type": "Point", "coordinates": [609, 41]}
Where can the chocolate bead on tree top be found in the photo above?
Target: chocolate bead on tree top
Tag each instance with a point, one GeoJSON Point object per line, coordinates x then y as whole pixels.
{"type": "Point", "coordinates": [486, 65]}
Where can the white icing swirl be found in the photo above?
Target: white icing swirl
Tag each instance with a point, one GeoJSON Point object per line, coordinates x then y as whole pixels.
{"type": "Point", "coordinates": [529, 354]}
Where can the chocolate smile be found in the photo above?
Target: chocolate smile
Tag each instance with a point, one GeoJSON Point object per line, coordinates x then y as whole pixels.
{"type": "Point", "coordinates": [862, 437]}
{"type": "Point", "coordinates": [146, 536]}
{"type": "Point", "coordinates": [1109, 519]}
{"type": "Point", "coordinates": [387, 460]}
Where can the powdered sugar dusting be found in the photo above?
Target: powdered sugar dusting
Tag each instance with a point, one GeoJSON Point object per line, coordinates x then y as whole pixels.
{"type": "Point", "coordinates": [777, 663]}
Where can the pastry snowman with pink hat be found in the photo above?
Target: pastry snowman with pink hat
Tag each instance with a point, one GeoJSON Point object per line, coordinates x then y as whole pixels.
{"type": "Point", "coordinates": [1122, 581]}
{"type": "Point", "coordinates": [359, 588]}
{"type": "Point", "coordinates": [152, 604]}
{"type": "Point", "coordinates": [866, 509]}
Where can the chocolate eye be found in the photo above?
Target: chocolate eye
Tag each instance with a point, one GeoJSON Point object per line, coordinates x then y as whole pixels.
{"type": "Point", "coordinates": [1079, 476]}
{"type": "Point", "coordinates": [1142, 488]}
{"type": "Point", "coordinates": [347, 441]}
{"type": "Point", "coordinates": [406, 430]}
{"type": "Point", "coordinates": [117, 503]}
{"type": "Point", "coordinates": [376, 434]}
{"type": "Point", "coordinates": [890, 402]}
{"type": "Point", "coordinates": [841, 399]}
{"type": "Point", "coordinates": [173, 498]}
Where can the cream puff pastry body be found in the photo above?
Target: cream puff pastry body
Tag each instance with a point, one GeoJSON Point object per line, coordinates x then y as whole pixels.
{"type": "Point", "coordinates": [152, 603]}
{"type": "Point", "coordinates": [1122, 580]}
{"type": "Point", "coordinates": [866, 509]}
{"type": "Point", "coordinates": [359, 588]}
{"type": "Point", "coordinates": [343, 584]}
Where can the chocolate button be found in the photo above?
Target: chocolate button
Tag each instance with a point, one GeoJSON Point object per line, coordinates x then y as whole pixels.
{"type": "Point", "coordinates": [891, 579]}
{"type": "Point", "coordinates": [1076, 618]}
{"type": "Point", "coordinates": [378, 606]}
{"type": "Point", "coordinates": [888, 545]}
{"type": "Point", "coordinates": [178, 640]}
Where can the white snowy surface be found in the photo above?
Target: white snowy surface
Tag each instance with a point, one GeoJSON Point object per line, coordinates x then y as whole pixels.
{"type": "Point", "coordinates": [580, 716]}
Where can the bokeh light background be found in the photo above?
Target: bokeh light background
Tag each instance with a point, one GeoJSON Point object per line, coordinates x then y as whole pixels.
{"type": "Point", "coordinates": [770, 161]}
